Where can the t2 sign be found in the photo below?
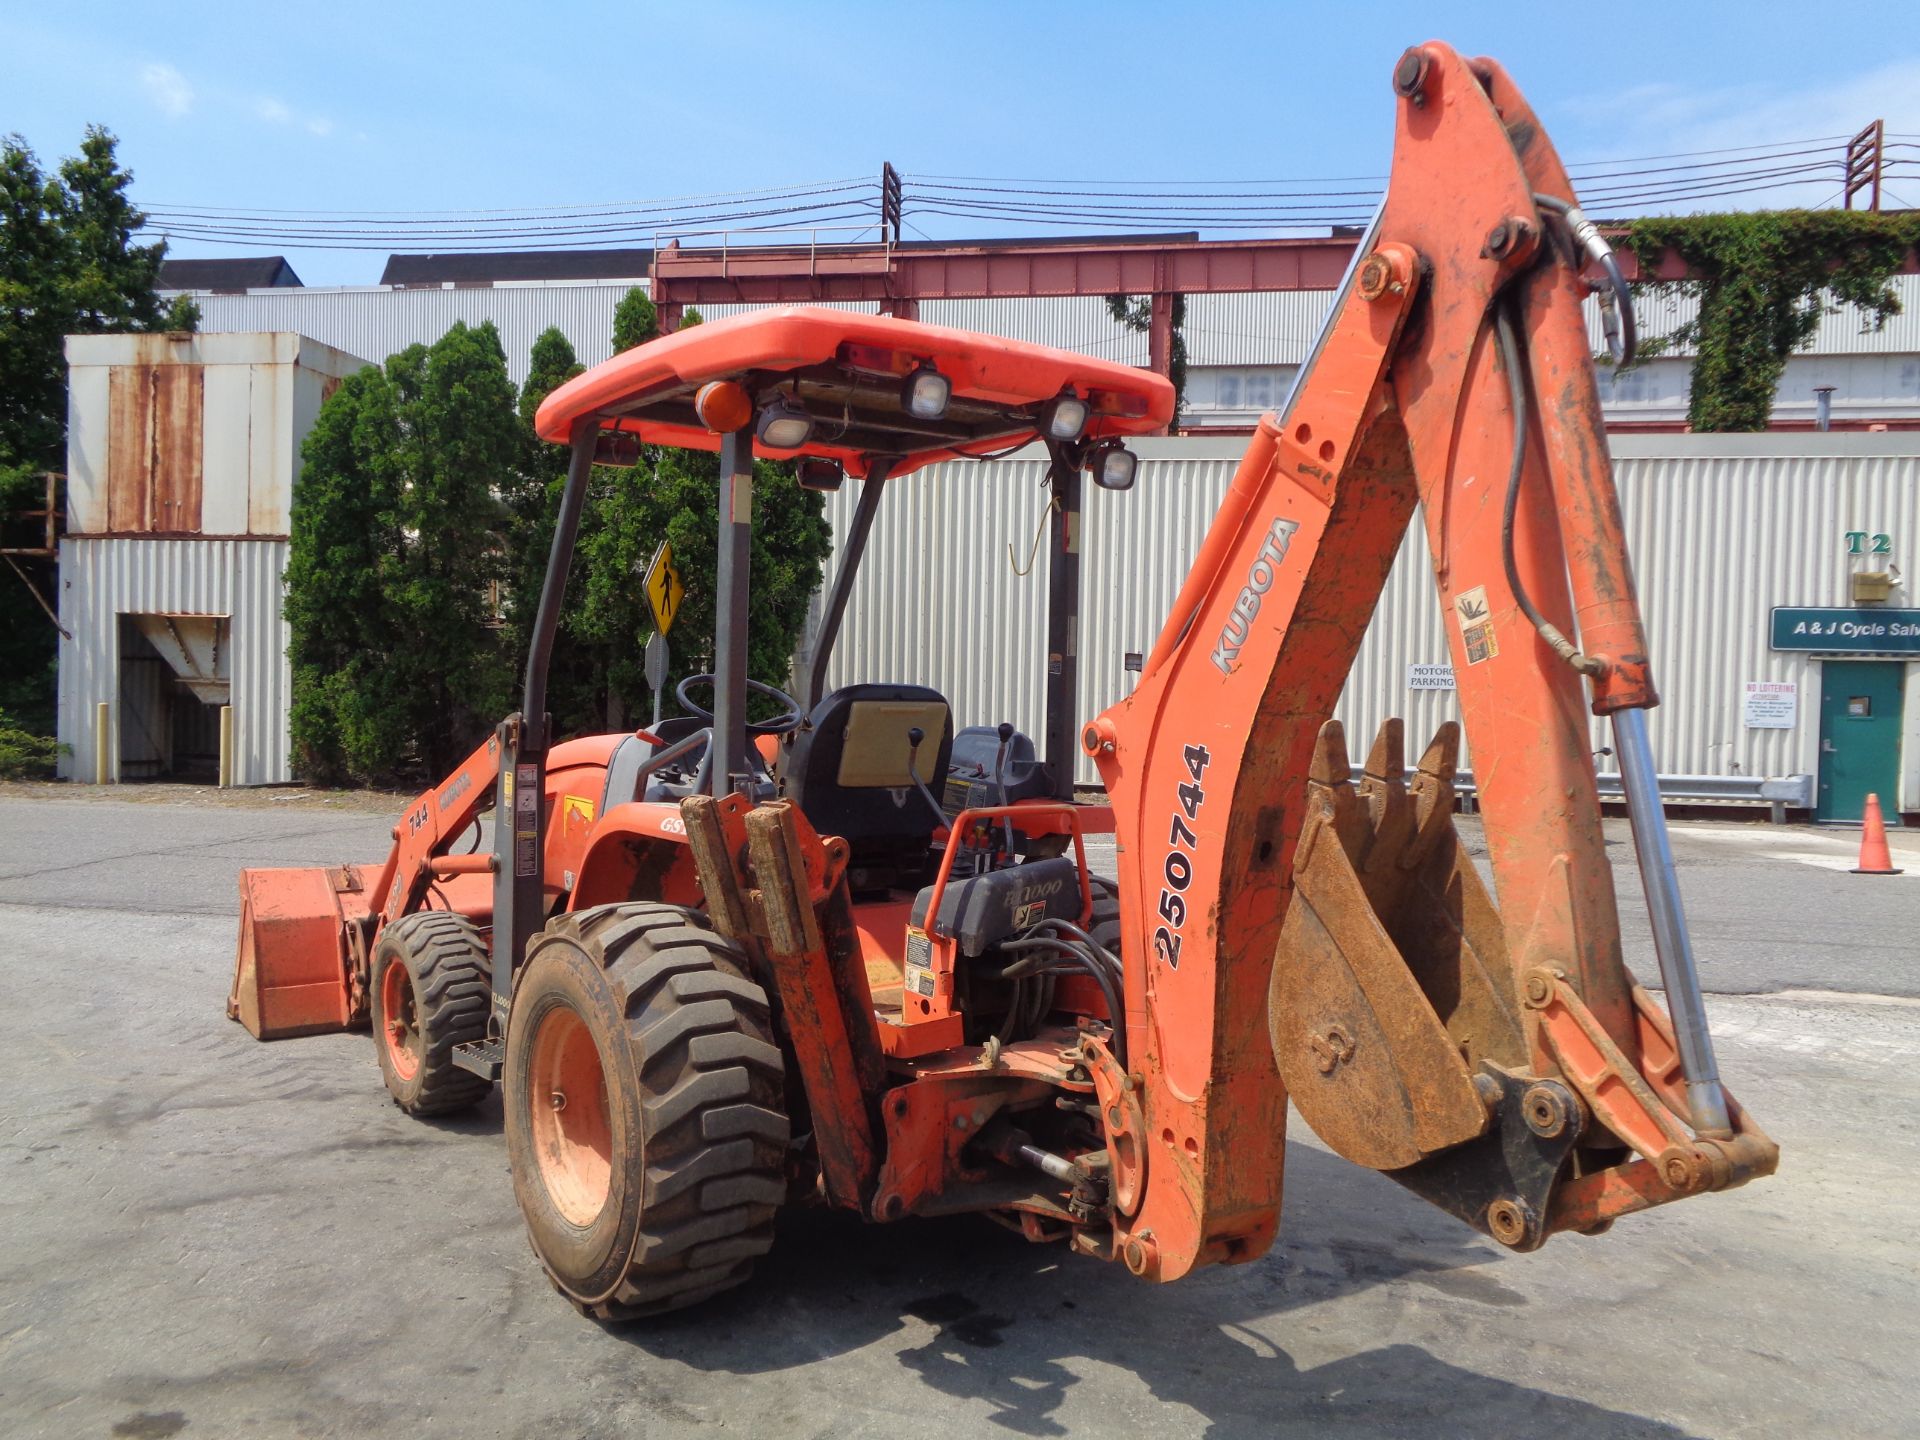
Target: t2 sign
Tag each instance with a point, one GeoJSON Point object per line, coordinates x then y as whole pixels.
{"type": "Point", "coordinates": [1858, 543]}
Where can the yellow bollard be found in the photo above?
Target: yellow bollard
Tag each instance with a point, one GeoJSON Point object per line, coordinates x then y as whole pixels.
{"type": "Point", "coordinates": [226, 746]}
{"type": "Point", "coordinates": [102, 724]}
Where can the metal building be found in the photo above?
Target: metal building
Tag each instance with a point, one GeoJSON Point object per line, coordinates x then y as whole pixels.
{"type": "Point", "coordinates": [1724, 529]}
{"type": "Point", "coordinates": [182, 453]}
{"type": "Point", "coordinates": [1243, 349]}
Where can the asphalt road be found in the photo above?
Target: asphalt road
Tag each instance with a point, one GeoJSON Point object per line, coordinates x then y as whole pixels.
{"type": "Point", "coordinates": [202, 1235]}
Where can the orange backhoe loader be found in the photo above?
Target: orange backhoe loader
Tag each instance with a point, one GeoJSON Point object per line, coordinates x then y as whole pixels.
{"type": "Point", "coordinates": [850, 956]}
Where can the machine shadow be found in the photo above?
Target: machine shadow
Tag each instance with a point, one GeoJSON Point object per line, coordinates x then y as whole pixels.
{"type": "Point", "coordinates": [1018, 1325]}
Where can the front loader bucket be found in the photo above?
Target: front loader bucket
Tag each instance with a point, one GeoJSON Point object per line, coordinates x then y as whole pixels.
{"type": "Point", "coordinates": [301, 938]}
{"type": "Point", "coordinates": [1391, 985]}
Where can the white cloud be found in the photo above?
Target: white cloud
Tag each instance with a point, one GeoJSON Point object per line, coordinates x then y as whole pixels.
{"type": "Point", "coordinates": [274, 111]}
{"type": "Point", "coordinates": [1667, 119]}
{"type": "Point", "coordinates": [167, 88]}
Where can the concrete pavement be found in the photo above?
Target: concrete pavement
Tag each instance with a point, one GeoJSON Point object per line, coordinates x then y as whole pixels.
{"type": "Point", "coordinates": [202, 1235]}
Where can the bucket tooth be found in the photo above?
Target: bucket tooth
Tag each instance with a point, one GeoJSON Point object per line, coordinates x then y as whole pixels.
{"type": "Point", "coordinates": [1433, 792]}
{"type": "Point", "coordinates": [1330, 765]}
{"type": "Point", "coordinates": [1383, 791]}
{"type": "Point", "coordinates": [1391, 982]}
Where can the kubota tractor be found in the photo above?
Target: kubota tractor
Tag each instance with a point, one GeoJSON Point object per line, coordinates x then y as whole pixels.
{"type": "Point", "coordinates": [853, 956]}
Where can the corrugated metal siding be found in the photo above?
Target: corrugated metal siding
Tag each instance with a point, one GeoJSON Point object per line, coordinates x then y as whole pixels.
{"type": "Point", "coordinates": [1236, 329]}
{"type": "Point", "coordinates": [1841, 331]}
{"type": "Point", "coordinates": [1255, 329]}
{"type": "Point", "coordinates": [1717, 541]}
{"type": "Point", "coordinates": [100, 580]}
{"type": "Point", "coordinates": [1078, 323]}
{"type": "Point", "coordinates": [378, 322]}
{"type": "Point", "coordinates": [1718, 538]}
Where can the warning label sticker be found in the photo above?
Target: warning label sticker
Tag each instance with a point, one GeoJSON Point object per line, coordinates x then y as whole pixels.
{"type": "Point", "coordinates": [1476, 624]}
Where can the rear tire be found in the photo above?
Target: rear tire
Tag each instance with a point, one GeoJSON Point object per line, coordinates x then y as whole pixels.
{"type": "Point", "coordinates": [1104, 924]}
{"type": "Point", "coordinates": [431, 989]}
{"type": "Point", "coordinates": [645, 1114]}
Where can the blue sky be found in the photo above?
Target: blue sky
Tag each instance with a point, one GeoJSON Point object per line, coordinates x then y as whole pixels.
{"type": "Point", "coordinates": [398, 107]}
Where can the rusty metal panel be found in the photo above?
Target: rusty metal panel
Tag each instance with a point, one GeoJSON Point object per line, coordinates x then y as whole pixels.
{"type": "Point", "coordinates": [154, 448]}
{"type": "Point", "coordinates": [129, 434]}
{"type": "Point", "coordinates": [192, 434]}
{"type": "Point", "coordinates": [104, 579]}
{"type": "Point", "coordinates": [179, 441]}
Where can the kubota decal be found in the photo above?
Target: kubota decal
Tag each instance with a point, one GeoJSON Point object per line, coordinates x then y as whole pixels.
{"type": "Point", "coordinates": [462, 783]}
{"type": "Point", "coordinates": [1259, 580]}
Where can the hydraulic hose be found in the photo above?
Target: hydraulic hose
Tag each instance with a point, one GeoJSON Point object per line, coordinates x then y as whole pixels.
{"type": "Point", "coordinates": [1076, 959]}
{"type": "Point", "coordinates": [1512, 361]}
{"type": "Point", "coordinates": [1623, 344]}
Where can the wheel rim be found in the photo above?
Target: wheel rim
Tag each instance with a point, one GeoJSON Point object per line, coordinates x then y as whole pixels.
{"type": "Point", "coordinates": [568, 1122]}
{"type": "Point", "coordinates": [400, 1017]}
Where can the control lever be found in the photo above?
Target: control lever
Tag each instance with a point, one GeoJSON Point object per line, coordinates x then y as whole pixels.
{"type": "Point", "coordinates": [915, 735]}
{"type": "Point", "coordinates": [1000, 780]}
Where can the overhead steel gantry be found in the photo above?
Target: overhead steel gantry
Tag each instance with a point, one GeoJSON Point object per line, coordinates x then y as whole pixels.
{"type": "Point", "coordinates": [900, 276]}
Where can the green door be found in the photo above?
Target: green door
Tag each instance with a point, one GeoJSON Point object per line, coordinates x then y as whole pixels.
{"type": "Point", "coordinates": [1859, 737]}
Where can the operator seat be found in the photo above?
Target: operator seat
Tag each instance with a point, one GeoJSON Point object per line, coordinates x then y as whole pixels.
{"type": "Point", "coordinates": [847, 771]}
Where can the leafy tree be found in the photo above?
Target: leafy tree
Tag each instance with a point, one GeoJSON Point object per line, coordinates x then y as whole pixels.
{"type": "Point", "coordinates": [636, 321]}
{"type": "Point", "coordinates": [25, 754]}
{"type": "Point", "coordinates": [598, 677]}
{"type": "Point", "coordinates": [68, 266]}
{"type": "Point", "coordinates": [1763, 280]}
{"type": "Point", "coordinates": [398, 664]}
{"type": "Point", "coordinates": [575, 687]}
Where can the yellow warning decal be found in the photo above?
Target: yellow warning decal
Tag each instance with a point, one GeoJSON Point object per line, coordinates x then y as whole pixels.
{"type": "Point", "coordinates": [576, 807]}
{"type": "Point", "coordinates": [1476, 625]}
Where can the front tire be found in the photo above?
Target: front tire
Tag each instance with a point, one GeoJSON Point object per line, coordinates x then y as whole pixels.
{"type": "Point", "coordinates": [431, 991]}
{"type": "Point", "coordinates": [646, 1124]}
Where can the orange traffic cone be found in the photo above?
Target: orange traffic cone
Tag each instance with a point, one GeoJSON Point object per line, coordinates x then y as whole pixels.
{"type": "Point", "coordinates": [1874, 859]}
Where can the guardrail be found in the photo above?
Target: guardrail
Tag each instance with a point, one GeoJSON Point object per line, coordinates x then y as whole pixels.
{"type": "Point", "coordinates": [1777, 792]}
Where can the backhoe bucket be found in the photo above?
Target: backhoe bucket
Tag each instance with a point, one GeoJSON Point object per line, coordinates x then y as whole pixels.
{"type": "Point", "coordinates": [1391, 986]}
{"type": "Point", "coordinates": [301, 940]}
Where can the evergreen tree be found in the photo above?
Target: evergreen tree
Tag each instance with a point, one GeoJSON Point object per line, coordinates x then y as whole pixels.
{"type": "Point", "coordinates": [575, 687]}
{"type": "Point", "coordinates": [674, 494]}
{"type": "Point", "coordinates": [398, 662]}
{"type": "Point", "coordinates": [68, 266]}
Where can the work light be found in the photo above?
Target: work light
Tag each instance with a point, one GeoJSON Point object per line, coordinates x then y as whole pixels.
{"type": "Point", "coordinates": [924, 393]}
{"type": "Point", "coordinates": [1063, 417]}
{"type": "Point", "coordinates": [825, 476]}
{"type": "Point", "coordinates": [1113, 465]}
{"type": "Point", "coordinates": [784, 426]}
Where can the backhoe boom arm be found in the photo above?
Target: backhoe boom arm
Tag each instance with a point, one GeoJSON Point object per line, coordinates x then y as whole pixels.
{"type": "Point", "coordinates": [1454, 372]}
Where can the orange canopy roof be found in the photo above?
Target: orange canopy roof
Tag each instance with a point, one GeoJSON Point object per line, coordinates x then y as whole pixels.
{"type": "Point", "coordinates": [846, 369]}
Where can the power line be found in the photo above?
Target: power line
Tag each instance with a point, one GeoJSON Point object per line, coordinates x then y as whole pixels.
{"type": "Point", "coordinates": [1618, 186]}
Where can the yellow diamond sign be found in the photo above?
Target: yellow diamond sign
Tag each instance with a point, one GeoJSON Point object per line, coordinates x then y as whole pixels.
{"type": "Point", "coordinates": [665, 589]}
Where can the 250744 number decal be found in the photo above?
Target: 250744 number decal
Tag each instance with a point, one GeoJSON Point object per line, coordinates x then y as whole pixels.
{"type": "Point", "coordinates": [1177, 870]}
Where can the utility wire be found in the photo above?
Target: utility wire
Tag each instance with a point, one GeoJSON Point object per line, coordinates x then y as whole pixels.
{"type": "Point", "coordinates": [1619, 186]}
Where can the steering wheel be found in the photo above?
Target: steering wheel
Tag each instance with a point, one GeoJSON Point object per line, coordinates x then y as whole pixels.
{"type": "Point", "coordinates": [779, 725]}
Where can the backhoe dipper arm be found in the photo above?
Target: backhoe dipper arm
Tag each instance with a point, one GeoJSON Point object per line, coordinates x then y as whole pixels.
{"type": "Point", "coordinates": [1401, 1009]}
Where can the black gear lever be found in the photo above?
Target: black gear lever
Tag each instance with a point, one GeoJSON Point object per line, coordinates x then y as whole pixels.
{"type": "Point", "coordinates": [915, 735]}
